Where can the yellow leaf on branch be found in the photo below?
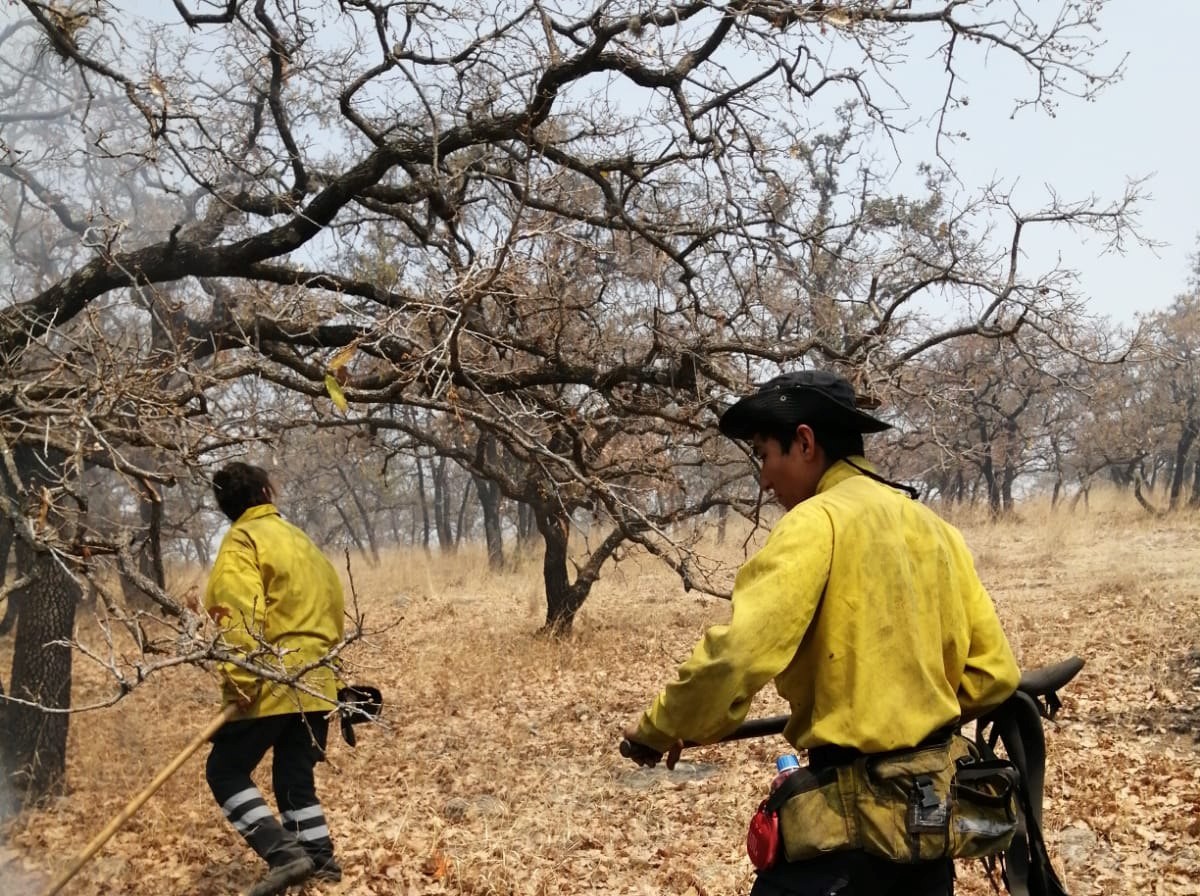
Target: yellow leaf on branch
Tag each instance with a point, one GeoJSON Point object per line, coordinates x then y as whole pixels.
{"type": "Point", "coordinates": [344, 354]}
{"type": "Point", "coordinates": [335, 392]}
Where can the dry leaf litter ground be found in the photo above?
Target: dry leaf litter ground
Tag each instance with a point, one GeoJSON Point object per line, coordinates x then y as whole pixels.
{"type": "Point", "coordinates": [497, 770]}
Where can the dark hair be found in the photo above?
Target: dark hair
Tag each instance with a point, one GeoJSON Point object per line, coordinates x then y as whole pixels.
{"type": "Point", "coordinates": [836, 442]}
{"type": "Point", "coordinates": [238, 487]}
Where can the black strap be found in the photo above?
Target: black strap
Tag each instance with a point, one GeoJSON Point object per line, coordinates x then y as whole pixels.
{"type": "Point", "coordinates": [900, 486]}
{"type": "Point", "coordinates": [800, 780]}
{"type": "Point", "coordinates": [1017, 724]}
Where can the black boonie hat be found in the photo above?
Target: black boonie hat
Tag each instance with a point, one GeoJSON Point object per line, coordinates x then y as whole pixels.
{"type": "Point", "coordinates": [806, 396]}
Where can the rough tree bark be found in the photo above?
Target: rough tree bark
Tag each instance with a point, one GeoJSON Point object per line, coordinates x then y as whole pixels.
{"type": "Point", "coordinates": [148, 551]}
{"type": "Point", "coordinates": [35, 742]}
{"type": "Point", "coordinates": [34, 748]}
{"type": "Point", "coordinates": [563, 599]}
{"type": "Point", "coordinates": [10, 605]}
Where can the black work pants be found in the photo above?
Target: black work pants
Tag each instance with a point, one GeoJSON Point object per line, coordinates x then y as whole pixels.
{"type": "Point", "coordinates": [298, 744]}
{"type": "Point", "coordinates": [855, 873]}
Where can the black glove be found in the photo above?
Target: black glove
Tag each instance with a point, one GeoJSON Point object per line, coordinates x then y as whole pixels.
{"type": "Point", "coordinates": [358, 703]}
{"type": "Point", "coordinates": [640, 753]}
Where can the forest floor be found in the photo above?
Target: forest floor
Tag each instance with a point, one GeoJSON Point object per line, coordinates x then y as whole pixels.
{"type": "Point", "coordinates": [496, 771]}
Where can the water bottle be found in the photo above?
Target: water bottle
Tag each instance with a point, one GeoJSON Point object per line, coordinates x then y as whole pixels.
{"type": "Point", "coordinates": [784, 766]}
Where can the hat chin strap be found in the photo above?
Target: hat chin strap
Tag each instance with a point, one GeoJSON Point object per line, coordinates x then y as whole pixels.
{"type": "Point", "coordinates": [908, 489]}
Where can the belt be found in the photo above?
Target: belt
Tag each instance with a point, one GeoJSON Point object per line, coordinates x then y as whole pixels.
{"type": "Point", "coordinates": [833, 755]}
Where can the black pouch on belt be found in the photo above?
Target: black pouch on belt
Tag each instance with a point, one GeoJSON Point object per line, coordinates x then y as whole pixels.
{"type": "Point", "coordinates": [356, 704]}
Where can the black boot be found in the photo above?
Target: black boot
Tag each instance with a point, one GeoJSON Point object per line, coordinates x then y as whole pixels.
{"type": "Point", "coordinates": [329, 871]}
{"type": "Point", "coordinates": [288, 869]}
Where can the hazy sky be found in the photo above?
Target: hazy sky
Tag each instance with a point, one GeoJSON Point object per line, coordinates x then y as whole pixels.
{"type": "Point", "coordinates": [1145, 125]}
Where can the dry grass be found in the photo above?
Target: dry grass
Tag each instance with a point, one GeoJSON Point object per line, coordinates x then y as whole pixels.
{"type": "Point", "coordinates": [497, 771]}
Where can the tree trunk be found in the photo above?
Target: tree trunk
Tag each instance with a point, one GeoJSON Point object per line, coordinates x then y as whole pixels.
{"type": "Point", "coordinates": [8, 801]}
{"type": "Point", "coordinates": [1081, 495]}
{"type": "Point", "coordinates": [148, 553]}
{"type": "Point", "coordinates": [397, 527]}
{"type": "Point", "coordinates": [348, 526]}
{"type": "Point", "coordinates": [489, 501]}
{"type": "Point", "coordinates": [363, 515]}
{"type": "Point", "coordinates": [526, 523]}
{"type": "Point", "coordinates": [1138, 494]}
{"type": "Point", "coordinates": [486, 453]}
{"type": "Point", "coordinates": [1006, 488]}
{"type": "Point", "coordinates": [461, 529]}
{"type": "Point", "coordinates": [11, 604]}
{"type": "Point", "coordinates": [993, 485]}
{"type": "Point", "coordinates": [441, 505]}
{"type": "Point", "coordinates": [423, 497]}
{"type": "Point", "coordinates": [1194, 499]}
{"type": "Point", "coordinates": [1179, 471]}
{"type": "Point", "coordinates": [33, 751]}
{"type": "Point", "coordinates": [35, 743]}
{"type": "Point", "coordinates": [562, 599]}
{"type": "Point", "coordinates": [958, 490]}
{"type": "Point", "coordinates": [197, 540]}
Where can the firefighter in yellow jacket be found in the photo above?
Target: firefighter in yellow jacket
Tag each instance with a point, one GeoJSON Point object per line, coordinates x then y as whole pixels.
{"type": "Point", "coordinates": [865, 609]}
{"type": "Point", "coordinates": [279, 604]}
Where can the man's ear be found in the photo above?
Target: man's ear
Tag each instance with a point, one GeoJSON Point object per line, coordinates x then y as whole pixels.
{"type": "Point", "coordinates": [806, 440]}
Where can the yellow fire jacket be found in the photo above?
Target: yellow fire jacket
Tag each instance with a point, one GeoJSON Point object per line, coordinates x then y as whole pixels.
{"type": "Point", "coordinates": [279, 604]}
{"type": "Point", "coordinates": [865, 608]}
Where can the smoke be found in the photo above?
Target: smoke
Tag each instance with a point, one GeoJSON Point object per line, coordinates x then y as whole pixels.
{"type": "Point", "coordinates": [14, 880]}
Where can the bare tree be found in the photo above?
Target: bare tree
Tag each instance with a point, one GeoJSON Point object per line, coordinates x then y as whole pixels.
{"type": "Point", "coordinates": [985, 417]}
{"type": "Point", "coordinates": [568, 232]}
{"type": "Point", "coordinates": [1170, 371]}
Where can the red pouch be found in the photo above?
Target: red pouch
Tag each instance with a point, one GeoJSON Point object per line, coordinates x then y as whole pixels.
{"type": "Point", "coordinates": [762, 839]}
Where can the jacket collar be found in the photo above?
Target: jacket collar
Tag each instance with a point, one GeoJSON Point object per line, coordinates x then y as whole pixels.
{"type": "Point", "coordinates": [257, 512]}
{"type": "Point", "coordinates": [841, 471]}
